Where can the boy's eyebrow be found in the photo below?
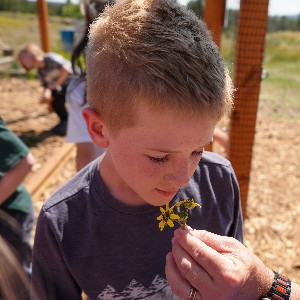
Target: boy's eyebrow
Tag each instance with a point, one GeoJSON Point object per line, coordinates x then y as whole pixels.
{"type": "Point", "coordinates": [172, 151]}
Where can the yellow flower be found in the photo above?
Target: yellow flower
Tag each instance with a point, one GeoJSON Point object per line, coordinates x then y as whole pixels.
{"type": "Point", "coordinates": [188, 204]}
{"type": "Point", "coordinates": [167, 216]}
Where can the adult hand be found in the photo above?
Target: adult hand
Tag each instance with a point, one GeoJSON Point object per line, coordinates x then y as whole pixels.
{"type": "Point", "coordinates": [218, 267]}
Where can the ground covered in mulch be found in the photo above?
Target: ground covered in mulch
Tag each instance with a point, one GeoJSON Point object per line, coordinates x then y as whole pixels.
{"type": "Point", "coordinates": [272, 226]}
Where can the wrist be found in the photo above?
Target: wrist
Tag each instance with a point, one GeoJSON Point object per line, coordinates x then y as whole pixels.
{"type": "Point", "coordinates": [268, 276]}
{"type": "Point", "coordinates": [263, 278]}
{"type": "Point", "coordinates": [280, 289]}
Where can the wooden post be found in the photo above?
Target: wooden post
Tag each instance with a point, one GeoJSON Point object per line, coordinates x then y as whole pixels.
{"type": "Point", "coordinates": [42, 9]}
{"type": "Point", "coordinates": [214, 18]}
{"type": "Point", "coordinates": [253, 18]}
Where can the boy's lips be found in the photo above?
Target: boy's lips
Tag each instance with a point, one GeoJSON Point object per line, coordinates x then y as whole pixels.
{"type": "Point", "coordinates": [166, 193]}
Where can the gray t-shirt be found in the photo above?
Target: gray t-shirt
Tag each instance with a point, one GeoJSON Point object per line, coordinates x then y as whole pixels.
{"type": "Point", "coordinates": [87, 240]}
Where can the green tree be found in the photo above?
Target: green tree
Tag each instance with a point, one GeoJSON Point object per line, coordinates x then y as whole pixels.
{"type": "Point", "coordinates": [71, 10]}
{"type": "Point", "coordinates": [197, 6]}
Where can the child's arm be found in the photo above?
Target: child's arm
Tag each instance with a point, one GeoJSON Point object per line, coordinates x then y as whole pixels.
{"type": "Point", "coordinates": [60, 80]}
{"type": "Point", "coordinates": [15, 176]}
{"type": "Point", "coordinates": [46, 95]}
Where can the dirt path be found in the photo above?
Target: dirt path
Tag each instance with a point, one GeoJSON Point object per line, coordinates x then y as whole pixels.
{"type": "Point", "coordinates": [272, 226]}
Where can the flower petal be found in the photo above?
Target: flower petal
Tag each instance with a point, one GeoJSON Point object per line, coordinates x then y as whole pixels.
{"type": "Point", "coordinates": [174, 217]}
{"type": "Point", "coordinates": [161, 225]}
{"type": "Point", "coordinates": [160, 217]}
{"type": "Point", "coordinates": [170, 223]}
{"type": "Point", "coordinates": [162, 210]}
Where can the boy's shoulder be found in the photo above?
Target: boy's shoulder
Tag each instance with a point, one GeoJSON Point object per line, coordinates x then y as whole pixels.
{"type": "Point", "coordinates": [73, 190]}
{"type": "Point", "coordinates": [214, 167]}
{"type": "Point", "coordinates": [211, 158]}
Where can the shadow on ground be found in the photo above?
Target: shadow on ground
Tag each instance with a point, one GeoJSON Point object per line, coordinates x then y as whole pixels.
{"type": "Point", "coordinates": [32, 138]}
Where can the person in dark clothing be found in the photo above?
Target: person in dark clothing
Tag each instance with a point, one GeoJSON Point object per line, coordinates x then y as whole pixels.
{"type": "Point", "coordinates": [54, 73]}
{"type": "Point", "coordinates": [16, 207]}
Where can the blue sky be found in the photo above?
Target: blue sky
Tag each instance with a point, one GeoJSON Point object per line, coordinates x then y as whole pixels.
{"type": "Point", "coordinates": [276, 7]}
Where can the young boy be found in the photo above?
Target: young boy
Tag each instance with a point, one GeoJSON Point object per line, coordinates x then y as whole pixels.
{"type": "Point", "coordinates": [156, 86]}
{"type": "Point", "coordinates": [54, 72]}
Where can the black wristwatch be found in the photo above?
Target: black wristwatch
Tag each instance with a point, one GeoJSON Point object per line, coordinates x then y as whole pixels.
{"type": "Point", "coordinates": [280, 289]}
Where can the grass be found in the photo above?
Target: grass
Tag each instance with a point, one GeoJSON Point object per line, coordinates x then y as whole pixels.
{"type": "Point", "coordinates": [279, 97]}
{"type": "Point", "coordinates": [18, 29]}
{"type": "Point", "coordinates": [279, 92]}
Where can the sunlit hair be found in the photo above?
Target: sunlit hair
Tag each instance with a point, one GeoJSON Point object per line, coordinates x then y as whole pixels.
{"type": "Point", "coordinates": [155, 52]}
{"type": "Point", "coordinates": [90, 9]}
{"type": "Point", "coordinates": [32, 52]}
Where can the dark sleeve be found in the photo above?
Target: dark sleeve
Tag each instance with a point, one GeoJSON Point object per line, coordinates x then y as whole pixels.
{"type": "Point", "coordinates": [236, 230]}
{"type": "Point", "coordinates": [51, 278]}
{"type": "Point", "coordinates": [12, 149]}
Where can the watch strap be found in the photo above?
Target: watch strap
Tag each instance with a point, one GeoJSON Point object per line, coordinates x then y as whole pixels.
{"type": "Point", "coordinates": [280, 289]}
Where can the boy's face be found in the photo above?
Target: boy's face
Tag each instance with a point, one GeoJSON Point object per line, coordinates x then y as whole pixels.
{"type": "Point", "coordinates": [150, 162]}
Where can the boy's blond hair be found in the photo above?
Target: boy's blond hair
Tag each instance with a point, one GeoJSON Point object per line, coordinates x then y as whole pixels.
{"type": "Point", "coordinates": [157, 52]}
{"type": "Point", "coordinates": [31, 51]}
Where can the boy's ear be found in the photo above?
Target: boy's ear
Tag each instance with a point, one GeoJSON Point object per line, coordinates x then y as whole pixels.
{"type": "Point", "coordinates": [96, 127]}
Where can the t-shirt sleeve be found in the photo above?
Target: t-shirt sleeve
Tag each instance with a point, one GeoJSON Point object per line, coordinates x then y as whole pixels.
{"type": "Point", "coordinates": [53, 65]}
{"type": "Point", "coordinates": [59, 61]}
{"type": "Point", "coordinates": [12, 149]}
{"type": "Point", "coordinates": [51, 278]}
{"type": "Point", "coordinates": [237, 229]}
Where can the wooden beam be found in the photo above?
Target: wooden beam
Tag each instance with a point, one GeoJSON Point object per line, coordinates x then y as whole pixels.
{"type": "Point", "coordinates": [42, 9]}
{"type": "Point", "coordinates": [214, 13]}
{"type": "Point", "coordinates": [52, 167]}
{"type": "Point", "coordinates": [214, 18]}
{"type": "Point", "coordinates": [252, 27]}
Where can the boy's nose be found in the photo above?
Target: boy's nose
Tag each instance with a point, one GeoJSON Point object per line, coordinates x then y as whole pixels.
{"type": "Point", "coordinates": [179, 176]}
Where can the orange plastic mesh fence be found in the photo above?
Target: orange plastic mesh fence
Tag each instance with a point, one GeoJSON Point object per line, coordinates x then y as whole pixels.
{"type": "Point", "coordinates": [249, 52]}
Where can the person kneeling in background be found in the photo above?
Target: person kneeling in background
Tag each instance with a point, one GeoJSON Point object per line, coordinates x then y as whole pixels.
{"type": "Point", "coordinates": [54, 73]}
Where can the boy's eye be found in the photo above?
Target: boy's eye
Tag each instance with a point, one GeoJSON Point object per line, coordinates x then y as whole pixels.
{"type": "Point", "coordinates": [198, 153]}
{"type": "Point", "coordinates": [159, 160]}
